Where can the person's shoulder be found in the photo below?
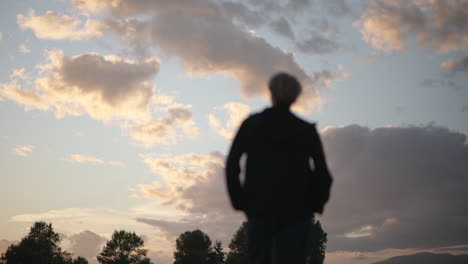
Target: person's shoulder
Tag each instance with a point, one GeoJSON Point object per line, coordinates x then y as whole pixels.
{"type": "Point", "coordinates": [251, 120]}
{"type": "Point", "coordinates": [304, 123]}
{"type": "Point", "coordinates": [253, 117]}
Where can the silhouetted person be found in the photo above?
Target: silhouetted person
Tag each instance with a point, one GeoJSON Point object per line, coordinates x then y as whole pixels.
{"type": "Point", "coordinates": [281, 191]}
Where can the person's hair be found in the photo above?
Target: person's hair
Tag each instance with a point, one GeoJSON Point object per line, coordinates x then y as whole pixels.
{"type": "Point", "coordinates": [284, 89]}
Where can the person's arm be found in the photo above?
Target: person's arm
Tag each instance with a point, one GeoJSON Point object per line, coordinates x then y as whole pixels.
{"type": "Point", "coordinates": [324, 178]}
{"type": "Point", "coordinates": [238, 148]}
{"type": "Point", "coordinates": [317, 153]}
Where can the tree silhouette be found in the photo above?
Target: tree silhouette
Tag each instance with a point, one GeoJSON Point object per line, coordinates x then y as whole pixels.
{"type": "Point", "coordinates": [40, 246]}
{"type": "Point", "coordinates": [238, 247]}
{"type": "Point", "coordinates": [80, 260]}
{"type": "Point", "coordinates": [123, 248]}
{"type": "Point", "coordinates": [317, 243]}
{"type": "Point", "coordinates": [216, 255]}
{"type": "Point", "coordinates": [192, 248]}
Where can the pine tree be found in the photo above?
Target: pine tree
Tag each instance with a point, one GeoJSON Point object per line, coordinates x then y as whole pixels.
{"type": "Point", "coordinates": [217, 254]}
{"type": "Point", "coordinates": [317, 243]}
{"type": "Point", "coordinates": [238, 247]}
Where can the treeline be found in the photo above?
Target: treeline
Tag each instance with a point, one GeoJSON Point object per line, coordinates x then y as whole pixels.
{"type": "Point", "coordinates": [42, 246]}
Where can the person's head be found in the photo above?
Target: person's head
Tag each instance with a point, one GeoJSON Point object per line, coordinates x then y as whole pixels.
{"type": "Point", "coordinates": [284, 89]}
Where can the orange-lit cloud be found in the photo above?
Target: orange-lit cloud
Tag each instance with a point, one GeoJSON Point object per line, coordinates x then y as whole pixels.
{"type": "Point", "coordinates": [80, 158]}
{"type": "Point", "coordinates": [237, 112]}
{"type": "Point", "coordinates": [193, 184]}
{"type": "Point", "coordinates": [107, 88]}
{"type": "Point", "coordinates": [456, 65]}
{"type": "Point", "coordinates": [53, 25]}
{"type": "Point", "coordinates": [19, 74]}
{"type": "Point", "coordinates": [217, 44]}
{"type": "Point", "coordinates": [176, 124]}
{"type": "Point", "coordinates": [22, 150]}
{"type": "Point", "coordinates": [114, 88]}
{"type": "Point", "coordinates": [436, 24]}
{"type": "Point", "coordinates": [117, 163]}
{"type": "Point", "coordinates": [24, 48]}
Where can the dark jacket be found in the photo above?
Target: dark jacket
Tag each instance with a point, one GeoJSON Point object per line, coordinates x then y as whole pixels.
{"type": "Point", "coordinates": [279, 181]}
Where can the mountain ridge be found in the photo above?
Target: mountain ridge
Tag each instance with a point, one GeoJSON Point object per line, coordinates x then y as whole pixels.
{"type": "Point", "coordinates": [427, 258]}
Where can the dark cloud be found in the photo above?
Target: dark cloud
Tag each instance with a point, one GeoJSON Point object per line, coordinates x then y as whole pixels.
{"type": "Point", "coordinates": [244, 14]}
{"type": "Point", "coordinates": [217, 45]}
{"type": "Point", "coordinates": [337, 7]}
{"type": "Point", "coordinates": [86, 244]}
{"type": "Point", "coordinates": [318, 43]}
{"type": "Point", "coordinates": [4, 244]}
{"type": "Point", "coordinates": [221, 36]}
{"type": "Point", "coordinates": [114, 79]}
{"type": "Point", "coordinates": [282, 27]}
{"type": "Point", "coordinates": [440, 82]}
{"type": "Point", "coordinates": [396, 187]}
{"type": "Point", "coordinates": [456, 65]}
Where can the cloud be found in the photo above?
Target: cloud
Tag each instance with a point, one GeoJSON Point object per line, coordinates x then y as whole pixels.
{"type": "Point", "coordinates": [166, 130]}
{"type": "Point", "coordinates": [117, 163]}
{"type": "Point", "coordinates": [194, 184]}
{"type": "Point", "coordinates": [19, 74]}
{"type": "Point", "coordinates": [4, 244]}
{"type": "Point", "coordinates": [389, 194]}
{"type": "Point", "coordinates": [237, 112]}
{"type": "Point", "coordinates": [317, 43]}
{"type": "Point", "coordinates": [464, 108]}
{"type": "Point", "coordinates": [457, 65]}
{"type": "Point", "coordinates": [1, 36]}
{"type": "Point", "coordinates": [337, 7]}
{"type": "Point", "coordinates": [75, 214]}
{"type": "Point", "coordinates": [440, 82]}
{"type": "Point", "coordinates": [75, 220]}
{"type": "Point", "coordinates": [24, 48]}
{"type": "Point", "coordinates": [218, 44]}
{"type": "Point", "coordinates": [282, 27]}
{"type": "Point", "coordinates": [114, 88]}
{"type": "Point", "coordinates": [79, 158]}
{"type": "Point", "coordinates": [220, 40]}
{"type": "Point", "coordinates": [86, 244]}
{"type": "Point", "coordinates": [392, 184]}
{"type": "Point", "coordinates": [242, 13]}
{"type": "Point", "coordinates": [23, 150]}
{"type": "Point", "coordinates": [26, 97]}
{"type": "Point", "coordinates": [53, 25]}
{"type": "Point", "coordinates": [107, 88]}
{"type": "Point", "coordinates": [438, 25]}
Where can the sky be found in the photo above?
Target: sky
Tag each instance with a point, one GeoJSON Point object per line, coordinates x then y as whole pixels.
{"type": "Point", "coordinates": [119, 114]}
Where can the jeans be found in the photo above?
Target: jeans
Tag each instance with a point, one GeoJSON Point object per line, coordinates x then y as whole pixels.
{"type": "Point", "coordinates": [269, 242]}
